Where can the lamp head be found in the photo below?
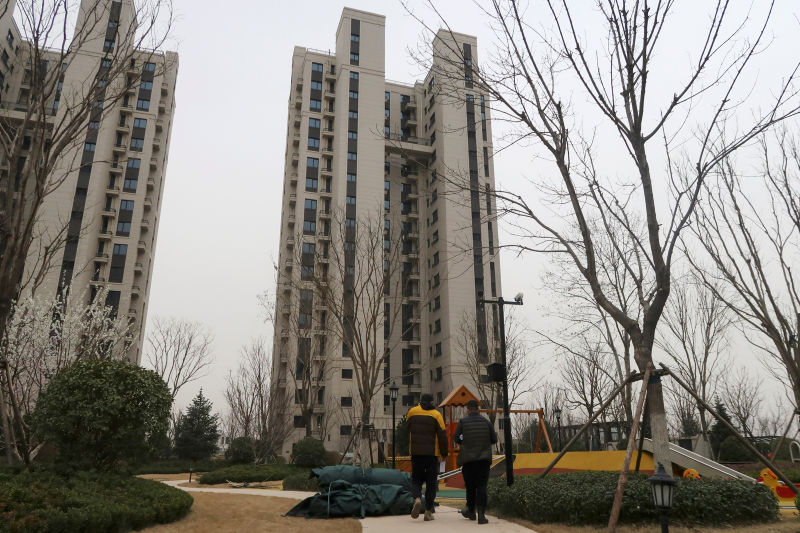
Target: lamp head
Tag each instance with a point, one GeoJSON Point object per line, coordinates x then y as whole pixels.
{"type": "Point", "coordinates": [518, 298]}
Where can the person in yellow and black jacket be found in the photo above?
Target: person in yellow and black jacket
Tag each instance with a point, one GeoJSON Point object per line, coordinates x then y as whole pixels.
{"type": "Point", "coordinates": [427, 446]}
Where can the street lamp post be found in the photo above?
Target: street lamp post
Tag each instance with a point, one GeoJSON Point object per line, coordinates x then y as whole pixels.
{"type": "Point", "coordinates": [557, 412]}
{"type": "Point", "coordinates": [393, 388]}
{"type": "Point", "coordinates": [663, 486]}
{"type": "Point", "coordinates": [506, 417]}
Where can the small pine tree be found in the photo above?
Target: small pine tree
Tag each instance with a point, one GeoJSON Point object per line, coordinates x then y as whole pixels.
{"type": "Point", "coordinates": [718, 431]}
{"type": "Point", "coordinates": [197, 431]}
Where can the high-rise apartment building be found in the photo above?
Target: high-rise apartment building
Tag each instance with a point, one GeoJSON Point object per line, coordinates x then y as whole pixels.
{"type": "Point", "coordinates": [359, 144]}
{"type": "Point", "coordinates": [113, 176]}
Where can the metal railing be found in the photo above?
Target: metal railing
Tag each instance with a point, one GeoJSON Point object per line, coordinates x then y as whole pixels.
{"type": "Point", "coordinates": [407, 139]}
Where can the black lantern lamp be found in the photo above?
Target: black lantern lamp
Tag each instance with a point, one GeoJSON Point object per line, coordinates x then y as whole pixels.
{"type": "Point", "coordinates": [393, 389]}
{"type": "Point", "coordinates": [663, 486]}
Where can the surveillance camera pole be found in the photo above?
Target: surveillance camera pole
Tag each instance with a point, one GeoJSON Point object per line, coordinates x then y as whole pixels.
{"type": "Point", "coordinates": [506, 416]}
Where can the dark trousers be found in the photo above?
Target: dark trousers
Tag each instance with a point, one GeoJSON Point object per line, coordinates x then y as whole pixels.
{"type": "Point", "coordinates": [424, 469]}
{"type": "Point", "coordinates": [476, 477]}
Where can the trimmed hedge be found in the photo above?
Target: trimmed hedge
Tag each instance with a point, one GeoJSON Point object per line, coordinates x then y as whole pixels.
{"type": "Point", "coordinates": [586, 498]}
{"type": "Point", "coordinates": [45, 502]}
{"type": "Point", "coordinates": [250, 473]}
{"type": "Point", "coordinates": [301, 481]}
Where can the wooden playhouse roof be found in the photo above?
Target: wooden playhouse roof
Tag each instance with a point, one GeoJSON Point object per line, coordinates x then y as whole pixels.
{"type": "Point", "coordinates": [459, 397]}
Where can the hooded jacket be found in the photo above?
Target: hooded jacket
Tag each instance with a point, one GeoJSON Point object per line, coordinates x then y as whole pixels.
{"type": "Point", "coordinates": [426, 428]}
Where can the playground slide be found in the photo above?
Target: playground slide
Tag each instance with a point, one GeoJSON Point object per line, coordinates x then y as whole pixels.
{"type": "Point", "coordinates": [704, 466]}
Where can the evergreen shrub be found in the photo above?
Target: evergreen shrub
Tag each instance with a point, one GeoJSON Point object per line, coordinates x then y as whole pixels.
{"type": "Point", "coordinates": [308, 452]}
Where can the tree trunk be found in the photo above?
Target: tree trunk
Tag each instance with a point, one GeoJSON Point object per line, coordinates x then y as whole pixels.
{"type": "Point", "coordinates": [12, 455]}
{"type": "Point", "coordinates": [658, 414]}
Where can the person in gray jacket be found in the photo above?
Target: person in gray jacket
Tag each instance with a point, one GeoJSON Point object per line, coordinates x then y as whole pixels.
{"type": "Point", "coordinates": [475, 435]}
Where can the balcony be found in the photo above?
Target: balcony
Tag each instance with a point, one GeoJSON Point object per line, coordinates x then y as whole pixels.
{"type": "Point", "coordinates": [404, 144]}
{"type": "Point", "coordinates": [153, 163]}
{"type": "Point", "coordinates": [151, 183]}
{"type": "Point", "coordinates": [326, 172]}
{"type": "Point", "coordinates": [123, 128]}
{"type": "Point", "coordinates": [299, 83]}
{"type": "Point", "coordinates": [329, 93]}
{"type": "Point", "coordinates": [148, 204]}
{"type": "Point", "coordinates": [325, 193]}
{"type": "Point", "coordinates": [120, 149]}
{"type": "Point", "coordinates": [290, 220]}
{"type": "Point", "coordinates": [138, 268]}
{"type": "Point", "coordinates": [297, 120]}
{"type": "Point", "coordinates": [327, 151]}
{"type": "Point", "coordinates": [164, 88]}
{"type": "Point", "coordinates": [325, 214]}
{"type": "Point", "coordinates": [105, 235]}
{"type": "Point", "coordinates": [101, 257]}
{"type": "Point", "coordinates": [135, 291]}
{"type": "Point", "coordinates": [97, 281]}
{"type": "Point", "coordinates": [145, 224]}
{"type": "Point", "coordinates": [115, 168]}
{"type": "Point", "coordinates": [328, 112]}
{"type": "Point", "coordinates": [295, 158]}
{"type": "Point", "coordinates": [142, 246]}
{"type": "Point", "coordinates": [327, 132]}
{"type": "Point", "coordinates": [330, 74]}
{"type": "Point", "coordinates": [288, 264]}
{"type": "Point", "coordinates": [109, 211]}
{"type": "Point", "coordinates": [126, 108]}
{"type": "Point", "coordinates": [290, 242]}
{"type": "Point", "coordinates": [285, 310]}
{"type": "Point", "coordinates": [162, 106]}
{"type": "Point", "coordinates": [111, 190]}
{"type": "Point", "coordinates": [324, 236]}
{"type": "Point", "coordinates": [156, 144]}
{"type": "Point", "coordinates": [414, 365]}
{"type": "Point", "coordinates": [296, 139]}
{"type": "Point", "coordinates": [298, 102]}
{"type": "Point", "coordinates": [292, 199]}
{"type": "Point", "coordinates": [293, 179]}
{"type": "Point", "coordinates": [415, 387]}
{"type": "Point", "coordinates": [159, 124]}
{"type": "Point", "coordinates": [408, 103]}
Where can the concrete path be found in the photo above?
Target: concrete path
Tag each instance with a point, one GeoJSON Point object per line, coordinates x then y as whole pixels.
{"type": "Point", "coordinates": [446, 519]}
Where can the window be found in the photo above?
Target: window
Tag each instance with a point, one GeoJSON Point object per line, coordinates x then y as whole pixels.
{"type": "Point", "coordinates": [354, 38]}
{"type": "Point", "coordinates": [311, 204]}
{"type": "Point", "coordinates": [308, 248]}
{"type": "Point", "coordinates": [437, 351]}
{"type": "Point", "coordinates": [438, 374]}
{"type": "Point", "coordinates": [120, 249]}
{"type": "Point", "coordinates": [386, 113]}
{"type": "Point", "coordinates": [352, 135]}
{"type": "Point", "coordinates": [146, 85]}
{"type": "Point", "coordinates": [354, 59]}
{"type": "Point", "coordinates": [108, 46]}
{"type": "Point", "coordinates": [312, 162]}
{"type": "Point", "coordinates": [10, 38]}
{"type": "Point", "coordinates": [313, 143]}
{"type": "Point", "coordinates": [436, 259]}
{"type": "Point", "coordinates": [134, 163]}
{"type": "Point", "coordinates": [105, 63]}
{"type": "Point", "coordinates": [485, 161]}
{"type": "Point", "coordinates": [94, 125]}
{"type": "Point", "coordinates": [345, 431]}
{"type": "Point", "coordinates": [113, 24]}
{"type": "Point", "coordinates": [309, 227]}
{"type": "Point", "coordinates": [347, 373]}
{"type": "Point", "coordinates": [354, 95]}
{"type": "Point", "coordinates": [150, 67]}
{"type": "Point", "coordinates": [314, 123]}
{"type": "Point", "coordinates": [386, 131]}
{"type": "Point", "coordinates": [435, 215]}
{"type": "Point", "coordinates": [347, 401]}
{"type": "Point", "coordinates": [353, 75]}
{"type": "Point", "coordinates": [89, 147]}
{"type": "Point", "coordinates": [137, 144]}
{"type": "Point", "coordinates": [316, 67]}
{"type": "Point", "coordinates": [351, 156]}
{"type": "Point", "coordinates": [130, 184]}
{"type": "Point", "coordinates": [436, 280]}
{"type": "Point", "coordinates": [437, 303]}
{"type": "Point", "coordinates": [143, 105]}
{"type": "Point", "coordinates": [387, 205]}
{"type": "Point", "coordinates": [351, 200]}
{"type": "Point", "coordinates": [437, 326]}
{"type": "Point", "coordinates": [306, 272]}
{"type": "Point", "coordinates": [311, 184]}
{"type": "Point", "coordinates": [304, 320]}
{"type": "Point", "coordinates": [352, 114]}
{"type": "Point", "coordinates": [123, 228]}
{"type": "Point", "coordinates": [126, 205]}
{"type": "Point", "coordinates": [349, 223]}
{"type": "Point", "coordinates": [139, 123]}
{"type": "Point", "coordinates": [316, 85]}
{"type": "Point", "coordinates": [315, 105]}
{"type": "Point", "coordinates": [351, 178]}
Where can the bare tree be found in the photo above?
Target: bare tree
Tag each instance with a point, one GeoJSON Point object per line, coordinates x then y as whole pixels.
{"type": "Point", "coordinates": [551, 66]}
{"type": "Point", "coordinates": [256, 405]}
{"type": "Point", "coordinates": [741, 394]}
{"type": "Point", "coordinates": [179, 351]}
{"type": "Point", "coordinates": [696, 325]}
{"type": "Point", "coordinates": [43, 337]}
{"type": "Point", "coordinates": [749, 233]}
{"type": "Point", "coordinates": [519, 366]}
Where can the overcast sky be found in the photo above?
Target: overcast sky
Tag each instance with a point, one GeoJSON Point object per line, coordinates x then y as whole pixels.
{"type": "Point", "coordinates": [220, 219]}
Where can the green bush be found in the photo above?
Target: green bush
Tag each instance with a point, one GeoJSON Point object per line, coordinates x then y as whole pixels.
{"type": "Point", "coordinates": [240, 451]}
{"type": "Point", "coordinates": [101, 412]}
{"type": "Point", "coordinates": [308, 452]}
{"type": "Point", "coordinates": [178, 466]}
{"type": "Point", "coordinates": [44, 501]}
{"type": "Point", "coordinates": [301, 481]}
{"type": "Point", "coordinates": [586, 498]}
{"type": "Point", "coordinates": [332, 458]}
{"type": "Point", "coordinates": [249, 473]}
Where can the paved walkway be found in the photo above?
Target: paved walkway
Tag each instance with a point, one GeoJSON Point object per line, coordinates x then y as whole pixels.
{"type": "Point", "coordinates": [447, 519]}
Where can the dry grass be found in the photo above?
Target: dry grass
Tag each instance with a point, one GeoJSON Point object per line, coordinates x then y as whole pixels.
{"type": "Point", "coordinates": [787, 524]}
{"type": "Point", "coordinates": [233, 513]}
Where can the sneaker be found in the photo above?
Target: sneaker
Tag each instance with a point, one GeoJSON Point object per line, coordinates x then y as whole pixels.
{"type": "Point", "coordinates": [416, 509]}
{"type": "Point", "coordinates": [468, 513]}
{"type": "Point", "coordinates": [428, 516]}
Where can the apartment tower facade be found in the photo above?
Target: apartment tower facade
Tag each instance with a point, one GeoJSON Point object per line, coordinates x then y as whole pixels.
{"type": "Point", "coordinates": [359, 144]}
{"type": "Point", "coordinates": [113, 179]}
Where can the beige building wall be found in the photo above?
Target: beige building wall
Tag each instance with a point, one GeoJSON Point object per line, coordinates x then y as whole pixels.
{"type": "Point", "coordinates": [395, 149]}
{"type": "Point", "coordinates": [88, 267]}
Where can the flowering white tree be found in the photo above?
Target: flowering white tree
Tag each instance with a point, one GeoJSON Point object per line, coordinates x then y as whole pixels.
{"type": "Point", "coordinates": [43, 336]}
